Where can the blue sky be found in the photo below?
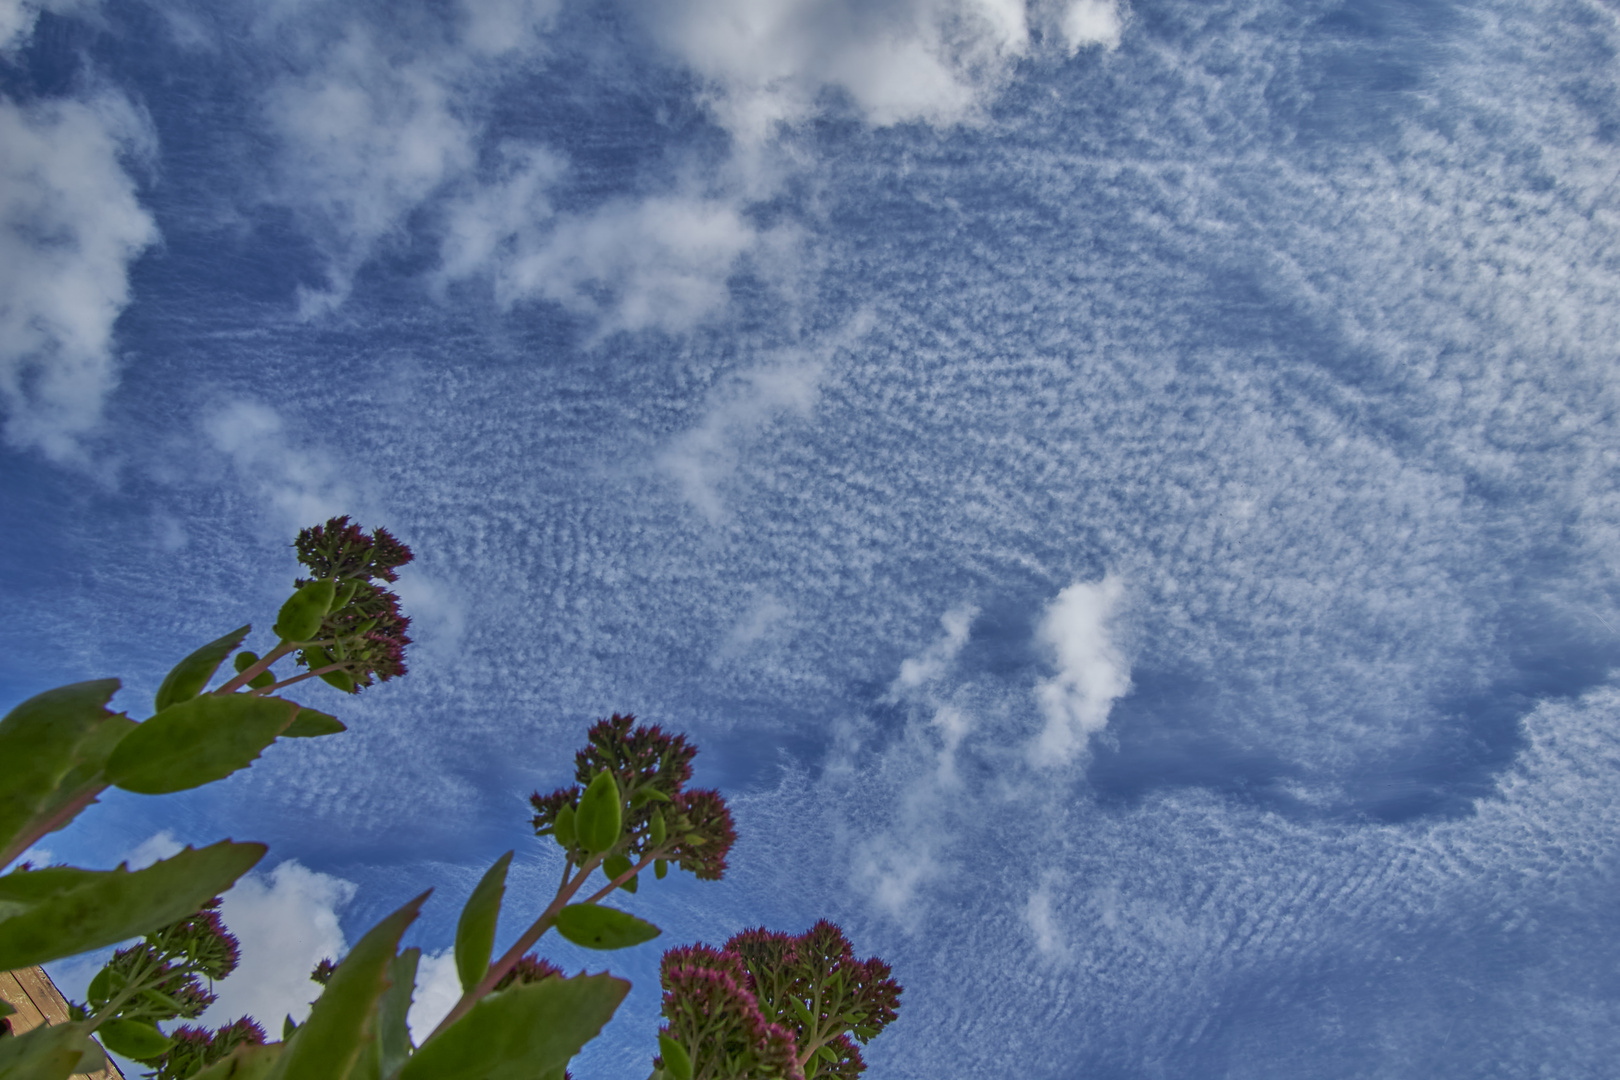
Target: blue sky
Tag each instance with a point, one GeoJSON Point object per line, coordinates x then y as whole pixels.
{"type": "Point", "coordinates": [1125, 497]}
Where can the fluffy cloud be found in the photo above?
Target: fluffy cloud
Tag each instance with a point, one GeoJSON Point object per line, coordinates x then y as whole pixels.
{"type": "Point", "coordinates": [1092, 673]}
{"type": "Point", "coordinates": [438, 988]}
{"type": "Point", "coordinates": [70, 226]}
{"type": "Point", "coordinates": [660, 262]}
{"type": "Point", "coordinates": [287, 921]}
{"type": "Point", "coordinates": [1092, 22]}
{"type": "Point", "coordinates": [769, 63]}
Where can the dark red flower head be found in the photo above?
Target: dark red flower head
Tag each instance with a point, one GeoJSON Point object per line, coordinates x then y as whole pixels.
{"type": "Point", "coordinates": [342, 550]}
{"type": "Point", "coordinates": [651, 768]}
{"type": "Point", "coordinates": [813, 985]}
{"type": "Point", "coordinates": [710, 1010]}
{"type": "Point", "coordinates": [365, 633]}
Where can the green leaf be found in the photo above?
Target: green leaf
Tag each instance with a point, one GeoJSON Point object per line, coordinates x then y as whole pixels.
{"type": "Point", "coordinates": [197, 742]}
{"type": "Point", "coordinates": [600, 817]}
{"type": "Point", "coordinates": [301, 616]}
{"type": "Point", "coordinates": [244, 660]}
{"type": "Point", "coordinates": [50, 745]}
{"type": "Point", "coordinates": [53, 1052]}
{"type": "Point", "coordinates": [328, 1042]}
{"type": "Point", "coordinates": [657, 832]}
{"type": "Point", "coordinates": [309, 724]}
{"type": "Point", "coordinates": [340, 679]}
{"type": "Point", "coordinates": [191, 675]}
{"type": "Point", "coordinates": [245, 1063]}
{"type": "Point", "coordinates": [475, 932]}
{"type": "Point", "coordinates": [595, 927]}
{"type": "Point", "coordinates": [677, 1062]}
{"type": "Point", "coordinates": [660, 868]}
{"type": "Point", "coordinates": [802, 1011]}
{"type": "Point", "coordinates": [614, 865]}
{"type": "Point", "coordinates": [133, 1039]}
{"type": "Point", "coordinates": [59, 911]}
{"type": "Point", "coordinates": [393, 1034]}
{"type": "Point", "coordinates": [563, 828]}
{"type": "Point", "coordinates": [523, 1031]}
{"type": "Point", "coordinates": [828, 1054]}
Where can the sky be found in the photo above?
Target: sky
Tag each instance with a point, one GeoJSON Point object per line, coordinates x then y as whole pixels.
{"type": "Point", "coordinates": [1123, 495]}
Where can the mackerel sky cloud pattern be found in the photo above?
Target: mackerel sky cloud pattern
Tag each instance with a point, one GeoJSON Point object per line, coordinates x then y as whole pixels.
{"type": "Point", "coordinates": [1124, 495]}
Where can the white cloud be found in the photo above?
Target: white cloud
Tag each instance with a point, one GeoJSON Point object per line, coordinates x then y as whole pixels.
{"type": "Point", "coordinates": [932, 663]}
{"type": "Point", "coordinates": [1092, 22]}
{"type": "Point", "coordinates": [438, 988]}
{"type": "Point", "coordinates": [1092, 672]}
{"type": "Point", "coordinates": [287, 922]}
{"type": "Point", "coordinates": [657, 263]}
{"type": "Point", "coordinates": [768, 62]}
{"type": "Point", "coordinates": [153, 849]}
{"type": "Point", "coordinates": [367, 138]}
{"type": "Point", "coordinates": [17, 18]}
{"type": "Point", "coordinates": [297, 486]}
{"type": "Point", "coordinates": [70, 226]}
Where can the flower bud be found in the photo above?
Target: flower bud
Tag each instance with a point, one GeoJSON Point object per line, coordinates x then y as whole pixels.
{"type": "Point", "coordinates": [563, 830]}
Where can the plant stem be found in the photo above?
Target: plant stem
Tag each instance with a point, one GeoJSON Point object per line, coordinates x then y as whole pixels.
{"type": "Point", "coordinates": [273, 687]}
{"type": "Point", "coordinates": [499, 968]}
{"type": "Point", "coordinates": [262, 665]}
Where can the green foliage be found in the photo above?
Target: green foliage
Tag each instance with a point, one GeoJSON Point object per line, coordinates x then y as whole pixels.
{"type": "Point", "coordinates": [134, 1038]}
{"type": "Point", "coordinates": [50, 1053]}
{"type": "Point", "coordinates": [192, 675]}
{"type": "Point", "coordinates": [301, 616]}
{"type": "Point", "coordinates": [56, 912]}
{"type": "Point", "coordinates": [52, 749]}
{"type": "Point", "coordinates": [326, 1044]}
{"type": "Point", "coordinates": [197, 742]}
{"type": "Point", "coordinates": [475, 932]}
{"type": "Point", "coordinates": [598, 820]}
{"type": "Point", "coordinates": [592, 926]}
{"type": "Point", "coordinates": [521, 1031]}
{"type": "Point", "coordinates": [309, 724]}
{"type": "Point", "coordinates": [518, 1018]}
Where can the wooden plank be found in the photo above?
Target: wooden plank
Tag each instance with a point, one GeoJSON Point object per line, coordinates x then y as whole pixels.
{"type": "Point", "coordinates": [38, 1001]}
{"type": "Point", "coordinates": [27, 1017]}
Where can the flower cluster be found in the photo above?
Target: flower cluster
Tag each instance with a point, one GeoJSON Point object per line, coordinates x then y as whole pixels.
{"type": "Point", "coordinates": [690, 828]}
{"type": "Point", "coordinates": [809, 986]}
{"type": "Point", "coordinates": [195, 1049]}
{"type": "Point", "coordinates": [813, 984]}
{"type": "Point", "coordinates": [363, 633]}
{"type": "Point", "coordinates": [710, 1010]}
{"type": "Point", "coordinates": [341, 550]}
{"type": "Point", "coordinates": [162, 977]}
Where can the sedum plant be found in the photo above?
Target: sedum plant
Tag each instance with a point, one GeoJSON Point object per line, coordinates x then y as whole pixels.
{"type": "Point", "coordinates": [766, 1005]}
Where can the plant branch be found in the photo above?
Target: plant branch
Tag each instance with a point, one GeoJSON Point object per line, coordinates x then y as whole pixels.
{"type": "Point", "coordinates": [499, 968]}
{"type": "Point", "coordinates": [263, 664]}
{"type": "Point", "coordinates": [273, 687]}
